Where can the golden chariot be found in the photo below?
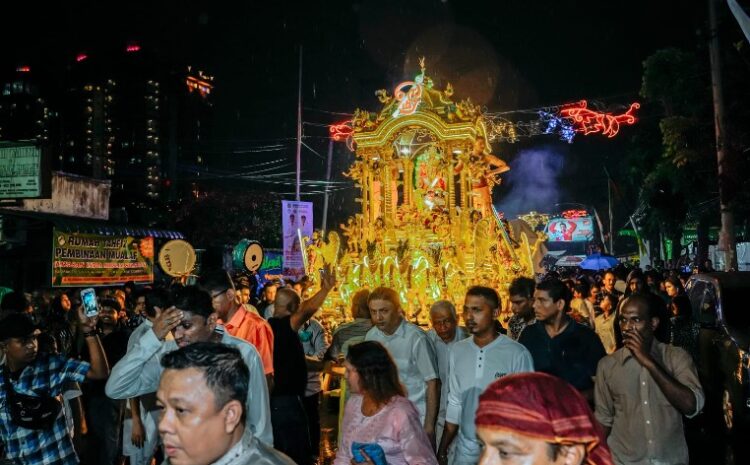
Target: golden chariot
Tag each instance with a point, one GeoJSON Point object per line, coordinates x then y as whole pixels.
{"type": "Point", "coordinates": [427, 228]}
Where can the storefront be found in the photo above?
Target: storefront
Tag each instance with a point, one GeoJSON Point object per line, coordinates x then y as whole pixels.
{"type": "Point", "coordinates": [67, 234]}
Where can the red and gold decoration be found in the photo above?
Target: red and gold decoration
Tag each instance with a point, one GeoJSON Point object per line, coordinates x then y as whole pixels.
{"type": "Point", "coordinates": [427, 227]}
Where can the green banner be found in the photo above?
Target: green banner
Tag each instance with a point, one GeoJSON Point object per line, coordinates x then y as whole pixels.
{"type": "Point", "coordinates": [81, 260]}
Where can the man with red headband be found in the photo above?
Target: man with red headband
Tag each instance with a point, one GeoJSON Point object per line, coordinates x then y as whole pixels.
{"type": "Point", "coordinates": [538, 419]}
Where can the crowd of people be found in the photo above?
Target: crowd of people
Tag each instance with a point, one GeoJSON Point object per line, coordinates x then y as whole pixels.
{"type": "Point", "coordinates": [575, 367]}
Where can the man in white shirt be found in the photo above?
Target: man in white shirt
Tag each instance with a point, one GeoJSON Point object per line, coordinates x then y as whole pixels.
{"type": "Point", "coordinates": [444, 333]}
{"type": "Point", "coordinates": [412, 352]}
{"type": "Point", "coordinates": [193, 320]}
{"type": "Point", "coordinates": [139, 433]}
{"type": "Point", "coordinates": [474, 364]}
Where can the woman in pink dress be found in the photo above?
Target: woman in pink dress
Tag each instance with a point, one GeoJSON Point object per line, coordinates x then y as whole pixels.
{"type": "Point", "coordinates": [379, 412]}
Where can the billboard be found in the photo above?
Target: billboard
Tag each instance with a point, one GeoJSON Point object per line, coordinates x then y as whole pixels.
{"type": "Point", "coordinates": [578, 229]}
{"type": "Point", "coordinates": [82, 260]}
{"type": "Point", "coordinates": [22, 171]}
{"type": "Point", "coordinates": [296, 222]}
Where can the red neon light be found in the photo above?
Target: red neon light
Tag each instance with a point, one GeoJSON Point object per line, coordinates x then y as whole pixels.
{"type": "Point", "coordinates": [570, 214]}
{"type": "Point", "coordinates": [589, 121]}
{"type": "Point", "coordinates": [23, 69]}
{"type": "Point", "coordinates": [81, 56]}
{"type": "Point", "coordinates": [133, 48]}
{"type": "Point", "coordinates": [341, 131]}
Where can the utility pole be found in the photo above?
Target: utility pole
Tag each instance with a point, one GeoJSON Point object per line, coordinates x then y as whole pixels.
{"type": "Point", "coordinates": [611, 214]}
{"type": "Point", "coordinates": [727, 244]}
{"type": "Point", "coordinates": [299, 127]}
{"type": "Point", "coordinates": [328, 181]}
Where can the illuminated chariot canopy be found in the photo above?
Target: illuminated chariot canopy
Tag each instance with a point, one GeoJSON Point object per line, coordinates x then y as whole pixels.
{"type": "Point", "coordinates": [427, 228]}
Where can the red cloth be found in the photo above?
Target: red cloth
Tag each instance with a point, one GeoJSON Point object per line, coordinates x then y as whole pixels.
{"type": "Point", "coordinates": [543, 407]}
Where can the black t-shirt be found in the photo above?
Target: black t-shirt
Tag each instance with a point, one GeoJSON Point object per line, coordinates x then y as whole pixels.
{"type": "Point", "coordinates": [115, 346]}
{"type": "Point", "coordinates": [289, 368]}
{"type": "Point", "coordinates": [571, 355]}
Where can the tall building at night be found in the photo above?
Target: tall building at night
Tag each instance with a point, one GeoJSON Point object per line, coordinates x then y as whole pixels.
{"type": "Point", "coordinates": [87, 132]}
{"type": "Point", "coordinates": [127, 114]}
{"type": "Point", "coordinates": [114, 117]}
{"type": "Point", "coordinates": [190, 102]}
{"type": "Point", "coordinates": [24, 113]}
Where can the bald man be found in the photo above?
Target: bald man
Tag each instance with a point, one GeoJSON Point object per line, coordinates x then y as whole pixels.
{"type": "Point", "coordinates": [288, 418]}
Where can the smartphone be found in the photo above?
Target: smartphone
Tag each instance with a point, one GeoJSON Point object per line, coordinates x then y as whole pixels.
{"type": "Point", "coordinates": [90, 304]}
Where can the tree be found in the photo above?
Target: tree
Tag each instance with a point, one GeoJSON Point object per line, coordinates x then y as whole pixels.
{"type": "Point", "coordinates": [680, 183]}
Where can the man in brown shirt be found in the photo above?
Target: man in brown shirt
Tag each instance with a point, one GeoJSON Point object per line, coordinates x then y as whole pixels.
{"type": "Point", "coordinates": [643, 390]}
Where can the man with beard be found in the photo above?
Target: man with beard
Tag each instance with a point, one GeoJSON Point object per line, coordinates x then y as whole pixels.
{"type": "Point", "coordinates": [644, 389]}
{"type": "Point", "coordinates": [474, 364]}
{"type": "Point", "coordinates": [559, 345]}
{"type": "Point", "coordinates": [192, 319]}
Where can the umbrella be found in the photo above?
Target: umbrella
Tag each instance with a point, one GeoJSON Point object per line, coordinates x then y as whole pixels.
{"type": "Point", "coordinates": [598, 261]}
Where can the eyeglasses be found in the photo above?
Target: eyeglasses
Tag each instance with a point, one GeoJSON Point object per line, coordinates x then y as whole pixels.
{"type": "Point", "coordinates": [213, 296]}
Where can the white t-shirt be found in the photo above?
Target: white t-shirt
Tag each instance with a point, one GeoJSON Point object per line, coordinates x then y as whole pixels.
{"type": "Point", "coordinates": [415, 359]}
{"type": "Point", "coordinates": [472, 369]}
{"type": "Point", "coordinates": [443, 353]}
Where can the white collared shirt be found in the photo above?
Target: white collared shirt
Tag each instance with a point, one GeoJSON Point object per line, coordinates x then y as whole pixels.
{"type": "Point", "coordinates": [415, 359]}
{"type": "Point", "coordinates": [139, 372]}
{"type": "Point", "coordinates": [472, 369]}
{"type": "Point", "coordinates": [443, 353]}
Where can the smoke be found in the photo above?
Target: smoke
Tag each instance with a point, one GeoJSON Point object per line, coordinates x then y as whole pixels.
{"type": "Point", "coordinates": [532, 182]}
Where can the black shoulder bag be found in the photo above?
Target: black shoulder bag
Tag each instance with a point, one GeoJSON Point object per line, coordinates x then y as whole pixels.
{"type": "Point", "coordinates": [29, 411]}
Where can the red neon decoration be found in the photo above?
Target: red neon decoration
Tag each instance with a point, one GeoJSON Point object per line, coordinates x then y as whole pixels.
{"type": "Point", "coordinates": [570, 214]}
{"type": "Point", "coordinates": [589, 121]}
{"type": "Point", "coordinates": [133, 48]}
{"type": "Point", "coordinates": [23, 69]}
{"type": "Point", "coordinates": [81, 56]}
{"type": "Point", "coordinates": [341, 131]}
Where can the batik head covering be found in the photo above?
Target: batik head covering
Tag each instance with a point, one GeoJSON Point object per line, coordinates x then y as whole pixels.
{"type": "Point", "coordinates": [543, 407]}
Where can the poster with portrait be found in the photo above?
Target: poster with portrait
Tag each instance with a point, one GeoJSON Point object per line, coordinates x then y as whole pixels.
{"type": "Point", "coordinates": [296, 223]}
{"type": "Point", "coordinates": [570, 229]}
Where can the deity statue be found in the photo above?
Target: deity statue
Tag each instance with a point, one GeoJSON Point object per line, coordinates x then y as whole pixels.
{"type": "Point", "coordinates": [484, 169]}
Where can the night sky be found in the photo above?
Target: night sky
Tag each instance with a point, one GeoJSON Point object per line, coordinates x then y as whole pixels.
{"type": "Point", "coordinates": [505, 55]}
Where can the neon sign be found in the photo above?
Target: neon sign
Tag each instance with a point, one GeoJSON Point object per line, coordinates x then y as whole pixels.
{"type": "Point", "coordinates": [23, 69]}
{"type": "Point", "coordinates": [590, 121]}
{"type": "Point", "coordinates": [409, 100]}
{"type": "Point", "coordinates": [569, 214]}
{"type": "Point", "coordinates": [340, 131]}
{"type": "Point", "coordinates": [133, 48]}
{"type": "Point", "coordinates": [81, 56]}
{"type": "Point", "coordinates": [203, 87]}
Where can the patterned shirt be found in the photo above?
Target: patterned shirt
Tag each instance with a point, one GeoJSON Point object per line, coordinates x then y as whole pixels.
{"type": "Point", "coordinates": [516, 324]}
{"type": "Point", "coordinates": [46, 375]}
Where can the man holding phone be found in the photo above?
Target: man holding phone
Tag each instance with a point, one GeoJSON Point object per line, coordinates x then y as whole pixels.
{"type": "Point", "coordinates": [26, 374]}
